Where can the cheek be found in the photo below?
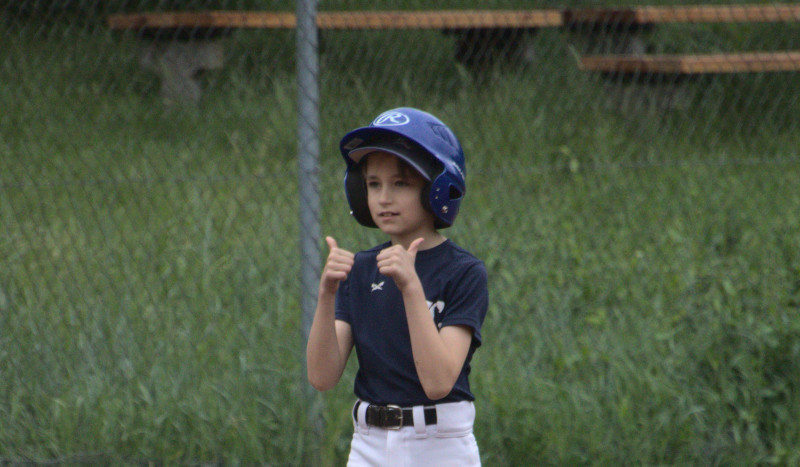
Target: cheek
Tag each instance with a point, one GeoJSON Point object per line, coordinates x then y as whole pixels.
{"type": "Point", "coordinates": [413, 202]}
{"type": "Point", "coordinates": [372, 202]}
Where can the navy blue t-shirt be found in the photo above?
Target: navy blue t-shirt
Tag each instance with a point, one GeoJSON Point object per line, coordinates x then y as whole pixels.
{"type": "Point", "coordinates": [455, 286]}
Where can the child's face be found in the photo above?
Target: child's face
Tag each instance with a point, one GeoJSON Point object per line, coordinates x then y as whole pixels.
{"type": "Point", "coordinates": [394, 198]}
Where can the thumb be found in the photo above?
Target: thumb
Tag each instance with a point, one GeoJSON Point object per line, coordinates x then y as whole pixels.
{"type": "Point", "coordinates": [415, 246]}
{"type": "Point", "coordinates": [331, 243]}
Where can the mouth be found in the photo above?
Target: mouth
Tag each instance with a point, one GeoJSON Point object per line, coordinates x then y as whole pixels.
{"type": "Point", "coordinates": [388, 214]}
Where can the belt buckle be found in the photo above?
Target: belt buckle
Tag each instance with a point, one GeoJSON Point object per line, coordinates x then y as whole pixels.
{"type": "Point", "coordinates": [392, 417]}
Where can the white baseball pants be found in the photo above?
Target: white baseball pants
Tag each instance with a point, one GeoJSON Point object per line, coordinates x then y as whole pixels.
{"type": "Point", "coordinates": [449, 442]}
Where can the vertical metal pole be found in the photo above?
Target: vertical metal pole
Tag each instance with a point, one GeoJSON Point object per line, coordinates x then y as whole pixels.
{"type": "Point", "coordinates": [308, 186]}
{"type": "Point", "coordinates": [308, 157]}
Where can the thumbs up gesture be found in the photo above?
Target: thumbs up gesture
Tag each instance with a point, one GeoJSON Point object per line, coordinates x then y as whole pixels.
{"type": "Point", "coordinates": [398, 263]}
{"type": "Point", "coordinates": [337, 266]}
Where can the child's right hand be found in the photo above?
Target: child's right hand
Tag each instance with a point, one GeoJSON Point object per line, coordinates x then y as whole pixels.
{"type": "Point", "coordinates": [337, 267]}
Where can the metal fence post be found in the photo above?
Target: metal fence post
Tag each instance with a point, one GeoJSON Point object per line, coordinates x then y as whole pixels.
{"type": "Point", "coordinates": [308, 183]}
{"type": "Point", "coordinates": [308, 147]}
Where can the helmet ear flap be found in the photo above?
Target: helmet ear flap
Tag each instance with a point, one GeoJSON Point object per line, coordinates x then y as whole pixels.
{"type": "Point", "coordinates": [356, 190]}
{"type": "Point", "coordinates": [427, 204]}
{"type": "Point", "coordinates": [445, 199]}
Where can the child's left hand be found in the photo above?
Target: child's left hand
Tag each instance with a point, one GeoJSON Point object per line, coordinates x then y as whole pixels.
{"type": "Point", "coordinates": [398, 263]}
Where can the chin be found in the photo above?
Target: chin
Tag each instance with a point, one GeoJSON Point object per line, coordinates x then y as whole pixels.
{"type": "Point", "coordinates": [390, 230]}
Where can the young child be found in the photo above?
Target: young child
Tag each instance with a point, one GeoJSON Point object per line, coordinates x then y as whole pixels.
{"type": "Point", "coordinates": [413, 307]}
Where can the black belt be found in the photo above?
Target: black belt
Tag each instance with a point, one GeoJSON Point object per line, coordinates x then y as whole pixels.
{"type": "Point", "coordinates": [392, 416]}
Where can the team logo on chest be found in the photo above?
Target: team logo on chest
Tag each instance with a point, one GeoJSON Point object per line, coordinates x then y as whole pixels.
{"type": "Point", "coordinates": [377, 286]}
{"type": "Point", "coordinates": [436, 308]}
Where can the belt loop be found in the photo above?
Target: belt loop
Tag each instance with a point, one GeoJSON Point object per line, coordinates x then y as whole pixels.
{"type": "Point", "coordinates": [361, 418]}
{"type": "Point", "coordinates": [419, 421]}
{"type": "Point", "coordinates": [434, 428]}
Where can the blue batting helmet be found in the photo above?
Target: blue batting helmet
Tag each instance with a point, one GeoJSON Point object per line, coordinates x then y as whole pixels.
{"type": "Point", "coordinates": [426, 144]}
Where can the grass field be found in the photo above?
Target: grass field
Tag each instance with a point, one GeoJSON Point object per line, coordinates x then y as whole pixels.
{"type": "Point", "coordinates": [644, 264]}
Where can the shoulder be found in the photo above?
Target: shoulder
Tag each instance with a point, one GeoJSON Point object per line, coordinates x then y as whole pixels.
{"type": "Point", "coordinates": [462, 265]}
{"type": "Point", "coordinates": [461, 258]}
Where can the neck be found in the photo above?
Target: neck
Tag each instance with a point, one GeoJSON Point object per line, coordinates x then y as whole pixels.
{"type": "Point", "coordinates": [431, 240]}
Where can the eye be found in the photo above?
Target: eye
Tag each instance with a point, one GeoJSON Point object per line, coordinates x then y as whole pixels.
{"type": "Point", "coordinates": [401, 183]}
{"type": "Point", "coordinates": [373, 184]}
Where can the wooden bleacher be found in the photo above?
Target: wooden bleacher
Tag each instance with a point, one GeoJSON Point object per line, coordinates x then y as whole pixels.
{"type": "Point", "coordinates": [752, 62]}
{"type": "Point", "coordinates": [187, 43]}
{"type": "Point", "coordinates": [343, 20]}
{"type": "Point", "coordinates": [481, 34]}
{"type": "Point", "coordinates": [627, 21]}
{"type": "Point", "coordinates": [650, 15]}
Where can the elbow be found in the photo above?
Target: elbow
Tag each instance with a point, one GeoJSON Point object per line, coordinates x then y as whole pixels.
{"type": "Point", "coordinates": [436, 395]}
{"type": "Point", "coordinates": [440, 385]}
{"type": "Point", "coordinates": [439, 391]}
{"type": "Point", "coordinates": [320, 383]}
{"type": "Point", "coordinates": [320, 387]}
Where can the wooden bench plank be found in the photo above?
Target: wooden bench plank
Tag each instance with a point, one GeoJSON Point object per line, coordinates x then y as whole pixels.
{"type": "Point", "coordinates": [446, 19]}
{"type": "Point", "coordinates": [693, 64]}
{"type": "Point", "coordinates": [648, 15]}
{"type": "Point", "coordinates": [452, 19]}
{"type": "Point", "coordinates": [722, 14]}
{"type": "Point", "coordinates": [202, 19]}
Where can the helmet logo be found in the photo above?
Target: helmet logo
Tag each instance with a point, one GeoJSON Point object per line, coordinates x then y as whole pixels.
{"type": "Point", "coordinates": [391, 118]}
{"type": "Point", "coordinates": [443, 133]}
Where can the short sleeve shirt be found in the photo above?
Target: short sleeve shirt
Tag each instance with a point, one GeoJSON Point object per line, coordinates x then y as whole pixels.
{"type": "Point", "coordinates": [455, 285]}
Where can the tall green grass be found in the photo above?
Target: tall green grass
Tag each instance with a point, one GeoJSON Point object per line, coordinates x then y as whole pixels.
{"type": "Point", "coordinates": [644, 264]}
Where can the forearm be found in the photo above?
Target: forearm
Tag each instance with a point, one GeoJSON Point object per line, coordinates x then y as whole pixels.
{"type": "Point", "coordinates": [437, 366]}
{"type": "Point", "coordinates": [323, 356]}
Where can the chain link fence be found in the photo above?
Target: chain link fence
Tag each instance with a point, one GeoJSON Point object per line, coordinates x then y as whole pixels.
{"type": "Point", "coordinates": [160, 238]}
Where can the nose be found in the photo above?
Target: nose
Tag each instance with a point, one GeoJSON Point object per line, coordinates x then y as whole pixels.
{"type": "Point", "coordinates": [384, 196]}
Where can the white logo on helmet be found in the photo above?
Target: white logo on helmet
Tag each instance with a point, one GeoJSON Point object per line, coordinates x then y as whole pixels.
{"type": "Point", "coordinates": [391, 119]}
